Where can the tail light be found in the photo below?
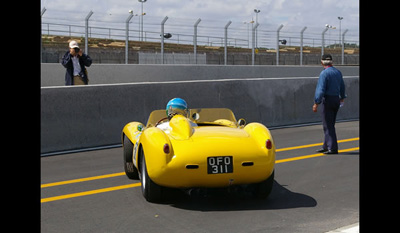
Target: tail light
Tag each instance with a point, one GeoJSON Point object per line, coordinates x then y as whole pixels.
{"type": "Point", "coordinates": [268, 144]}
{"type": "Point", "coordinates": [166, 148]}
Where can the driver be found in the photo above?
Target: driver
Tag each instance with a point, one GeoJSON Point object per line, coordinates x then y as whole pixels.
{"type": "Point", "coordinates": [175, 106]}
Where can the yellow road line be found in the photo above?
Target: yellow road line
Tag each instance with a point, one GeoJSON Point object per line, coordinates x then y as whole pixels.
{"type": "Point", "coordinates": [123, 173]}
{"type": "Point", "coordinates": [312, 156]}
{"type": "Point", "coordinates": [91, 192]}
{"type": "Point", "coordinates": [82, 179]}
{"type": "Point", "coordinates": [315, 144]}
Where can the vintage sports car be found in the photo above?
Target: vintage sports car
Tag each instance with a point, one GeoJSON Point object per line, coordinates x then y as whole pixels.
{"type": "Point", "coordinates": [198, 148]}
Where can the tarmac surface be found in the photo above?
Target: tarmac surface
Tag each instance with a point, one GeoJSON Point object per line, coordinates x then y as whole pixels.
{"type": "Point", "coordinates": [312, 192]}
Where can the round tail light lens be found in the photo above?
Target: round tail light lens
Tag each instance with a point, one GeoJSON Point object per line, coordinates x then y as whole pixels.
{"type": "Point", "coordinates": [166, 148]}
{"type": "Point", "coordinates": [268, 144]}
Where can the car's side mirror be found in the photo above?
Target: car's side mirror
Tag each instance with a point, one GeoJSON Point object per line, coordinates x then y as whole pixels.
{"type": "Point", "coordinates": [241, 122]}
{"type": "Point", "coordinates": [195, 116]}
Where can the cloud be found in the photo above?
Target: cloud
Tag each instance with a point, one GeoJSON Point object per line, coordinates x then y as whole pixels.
{"type": "Point", "coordinates": [310, 13]}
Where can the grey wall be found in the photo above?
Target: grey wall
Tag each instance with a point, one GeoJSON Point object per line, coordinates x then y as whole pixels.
{"type": "Point", "coordinates": [53, 74]}
{"type": "Point", "coordinates": [77, 117]}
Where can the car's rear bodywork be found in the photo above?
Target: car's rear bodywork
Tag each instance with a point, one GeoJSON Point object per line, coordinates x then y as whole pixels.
{"type": "Point", "coordinates": [207, 149]}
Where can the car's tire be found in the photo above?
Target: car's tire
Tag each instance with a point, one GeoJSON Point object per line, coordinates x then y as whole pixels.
{"type": "Point", "coordinates": [264, 188]}
{"type": "Point", "coordinates": [150, 190]}
{"type": "Point", "coordinates": [130, 169]}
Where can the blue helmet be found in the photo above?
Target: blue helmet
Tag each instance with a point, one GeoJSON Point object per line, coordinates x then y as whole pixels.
{"type": "Point", "coordinates": [176, 106]}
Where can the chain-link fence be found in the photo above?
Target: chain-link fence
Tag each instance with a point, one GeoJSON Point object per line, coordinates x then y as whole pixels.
{"type": "Point", "coordinates": [264, 39]}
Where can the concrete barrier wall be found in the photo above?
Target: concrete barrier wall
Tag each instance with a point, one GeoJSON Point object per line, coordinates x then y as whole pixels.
{"type": "Point", "coordinates": [54, 74]}
{"type": "Point", "coordinates": [78, 117]}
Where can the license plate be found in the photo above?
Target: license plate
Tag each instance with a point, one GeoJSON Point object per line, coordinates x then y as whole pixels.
{"type": "Point", "coordinates": [220, 164]}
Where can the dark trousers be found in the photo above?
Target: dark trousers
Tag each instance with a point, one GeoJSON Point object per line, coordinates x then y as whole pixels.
{"type": "Point", "coordinates": [330, 107]}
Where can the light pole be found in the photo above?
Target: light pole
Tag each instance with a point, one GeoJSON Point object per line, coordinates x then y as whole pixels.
{"type": "Point", "coordinates": [340, 28]}
{"type": "Point", "coordinates": [323, 39]}
{"type": "Point", "coordinates": [141, 20]}
{"type": "Point", "coordinates": [256, 11]}
{"type": "Point", "coordinates": [248, 36]}
{"type": "Point", "coordinates": [248, 40]}
{"type": "Point", "coordinates": [329, 27]}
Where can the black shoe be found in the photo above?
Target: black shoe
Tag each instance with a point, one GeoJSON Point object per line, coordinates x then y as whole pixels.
{"type": "Point", "coordinates": [331, 152]}
{"type": "Point", "coordinates": [322, 150]}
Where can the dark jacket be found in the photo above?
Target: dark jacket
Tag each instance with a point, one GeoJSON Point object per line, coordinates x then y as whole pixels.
{"type": "Point", "coordinates": [66, 61]}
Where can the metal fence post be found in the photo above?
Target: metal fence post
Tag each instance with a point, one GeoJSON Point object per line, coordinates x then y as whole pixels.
{"type": "Point", "coordinates": [87, 31]}
{"type": "Point", "coordinates": [41, 14]}
{"type": "Point", "coordinates": [323, 41]}
{"type": "Point", "coordinates": [301, 45]}
{"type": "Point", "coordinates": [127, 36]}
{"type": "Point", "coordinates": [277, 44]}
{"type": "Point", "coordinates": [195, 40]}
{"type": "Point", "coordinates": [253, 35]}
{"type": "Point", "coordinates": [162, 38]}
{"type": "Point", "coordinates": [226, 43]}
{"type": "Point", "coordinates": [343, 45]}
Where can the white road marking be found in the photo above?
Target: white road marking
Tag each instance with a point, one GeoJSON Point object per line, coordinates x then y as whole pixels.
{"type": "Point", "coordinates": [187, 81]}
{"type": "Point", "coordinates": [353, 228]}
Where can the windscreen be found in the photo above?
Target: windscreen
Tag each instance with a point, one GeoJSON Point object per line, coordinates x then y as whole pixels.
{"type": "Point", "coordinates": [198, 115]}
{"type": "Point", "coordinates": [209, 115]}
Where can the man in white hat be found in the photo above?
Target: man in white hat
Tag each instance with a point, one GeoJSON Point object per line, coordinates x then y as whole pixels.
{"type": "Point", "coordinates": [75, 61]}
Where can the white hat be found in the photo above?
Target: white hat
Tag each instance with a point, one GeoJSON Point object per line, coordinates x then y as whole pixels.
{"type": "Point", "coordinates": [73, 44]}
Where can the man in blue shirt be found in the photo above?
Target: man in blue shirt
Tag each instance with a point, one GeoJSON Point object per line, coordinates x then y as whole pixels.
{"type": "Point", "coordinates": [330, 94]}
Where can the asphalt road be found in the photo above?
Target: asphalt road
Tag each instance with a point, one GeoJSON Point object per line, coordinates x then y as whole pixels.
{"type": "Point", "coordinates": [312, 193]}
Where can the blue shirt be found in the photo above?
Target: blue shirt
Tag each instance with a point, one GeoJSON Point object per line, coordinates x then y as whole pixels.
{"type": "Point", "coordinates": [330, 82]}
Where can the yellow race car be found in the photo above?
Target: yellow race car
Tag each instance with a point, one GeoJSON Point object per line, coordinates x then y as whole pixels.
{"type": "Point", "coordinates": [204, 148]}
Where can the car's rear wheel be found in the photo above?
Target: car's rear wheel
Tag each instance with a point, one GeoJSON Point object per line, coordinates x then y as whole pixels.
{"type": "Point", "coordinates": [264, 188]}
{"type": "Point", "coordinates": [130, 169]}
{"type": "Point", "coordinates": [150, 190]}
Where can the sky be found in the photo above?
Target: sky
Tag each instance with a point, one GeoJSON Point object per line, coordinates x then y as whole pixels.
{"type": "Point", "coordinates": [293, 14]}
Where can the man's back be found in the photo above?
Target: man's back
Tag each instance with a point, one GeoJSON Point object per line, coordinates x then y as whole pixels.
{"type": "Point", "coordinates": [330, 83]}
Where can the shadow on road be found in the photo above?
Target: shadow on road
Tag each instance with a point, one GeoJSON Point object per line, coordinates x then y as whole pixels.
{"type": "Point", "coordinates": [224, 200]}
{"type": "Point", "coordinates": [350, 153]}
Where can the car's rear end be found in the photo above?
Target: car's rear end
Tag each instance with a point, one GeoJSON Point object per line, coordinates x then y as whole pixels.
{"type": "Point", "coordinates": [218, 156]}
